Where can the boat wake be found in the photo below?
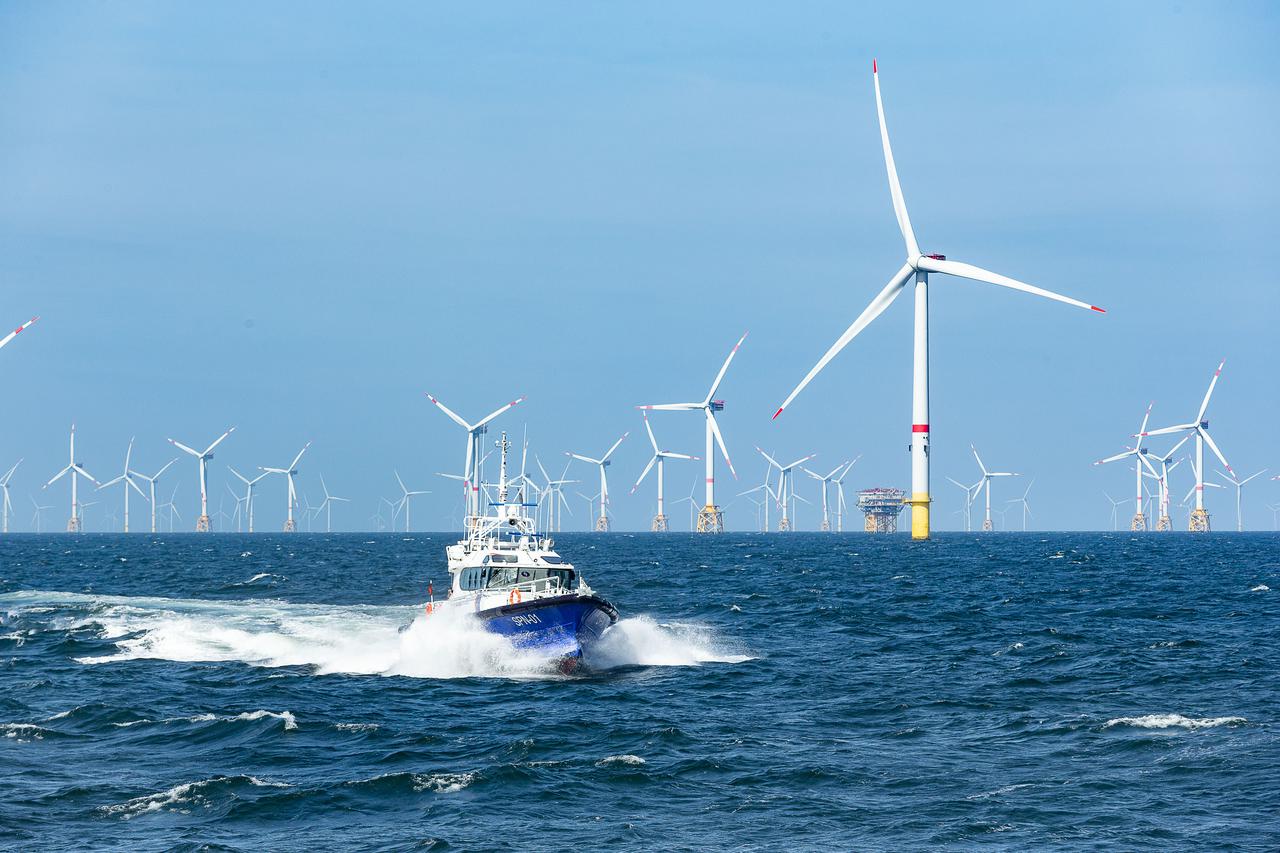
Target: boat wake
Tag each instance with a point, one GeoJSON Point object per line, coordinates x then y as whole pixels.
{"type": "Point", "coordinates": [349, 639]}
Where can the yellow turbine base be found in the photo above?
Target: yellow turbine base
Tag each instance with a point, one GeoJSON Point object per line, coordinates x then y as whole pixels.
{"type": "Point", "coordinates": [919, 515]}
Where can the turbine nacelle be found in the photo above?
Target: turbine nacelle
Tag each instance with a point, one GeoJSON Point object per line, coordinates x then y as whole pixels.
{"type": "Point", "coordinates": [716, 405]}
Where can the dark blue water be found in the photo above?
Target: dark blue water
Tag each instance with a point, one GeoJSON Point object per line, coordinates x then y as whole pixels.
{"type": "Point", "coordinates": [779, 692]}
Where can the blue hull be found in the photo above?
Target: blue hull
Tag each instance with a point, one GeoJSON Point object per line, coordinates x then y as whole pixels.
{"type": "Point", "coordinates": [561, 627]}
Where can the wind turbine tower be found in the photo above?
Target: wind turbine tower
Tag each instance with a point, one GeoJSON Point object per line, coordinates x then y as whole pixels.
{"type": "Point", "coordinates": [710, 518]}
{"type": "Point", "coordinates": [75, 469]}
{"type": "Point", "coordinates": [5, 506]}
{"type": "Point", "coordinates": [151, 483]}
{"type": "Point", "coordinates": [917, 266]}
{"type": "Point", "coordinates": [202, 462]}
{"type": "Point", "coordinates": [659, 457]}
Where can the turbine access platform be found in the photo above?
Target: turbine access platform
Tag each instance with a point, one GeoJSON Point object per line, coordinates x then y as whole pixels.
{"type": "Point", "coordinates": [881, 508]}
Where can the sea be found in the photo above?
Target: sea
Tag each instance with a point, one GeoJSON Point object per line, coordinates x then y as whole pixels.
{"type": "Point", "coordinates": [805, 691]}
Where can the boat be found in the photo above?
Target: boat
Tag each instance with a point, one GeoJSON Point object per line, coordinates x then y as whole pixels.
{"type": "Point", "coordinates": [509, 575]}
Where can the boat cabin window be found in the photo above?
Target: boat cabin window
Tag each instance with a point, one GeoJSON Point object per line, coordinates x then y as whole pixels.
{"type": "Point", "coordinates": [502, 558]}
{"type": "Point", "coordinates": [552, 559]}
{"type": "Point", "coordinates": [473, 578]}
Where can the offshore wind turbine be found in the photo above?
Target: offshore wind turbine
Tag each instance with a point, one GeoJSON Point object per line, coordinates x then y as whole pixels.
{"type": "Point", "coordinates": [917, 266]}
{"type": "Point", "coordinates": [5, 340]}
{"type": "Point", "coordinates": [1165, 523]}
{"type": "Point", "coordinates": [839, 483]}
{"type": "Point", "coordinates": [151, 483]}
{"type": "Point", "coordinates": [987, 477]}
{"type": "Point", "coordinates": [710, 518]}
{"type": "Point", "coordinates": [38, 514]}
{"type": "Point", "coordinates": [825, 481]}
{"type": "Point", "coordinates": [602, 523]}
{"type": "Point", "coordinates": [1115, 507]}
{"type": "Point", "coordinates": [471, 468]}
{"type": "Point", "coordinates": [556, 488]}
{"type": "Point", "coordinates": [659, 458]}
{"type": "Point", "coordinates": [202, 462]}
{"type": "Point", "coordinates": [1239, 484]}
{"type": "Point", "coordinates": [1199, 521]}
{"type": "Point", "coordinates": [248, 491]}
{"type": "Point", "coordinates": [290, 526]}
{"type": "Point", "coordinates": [127, 478]}
{"type": "Point", "coordinates": [786, 487]}
{"type": "Point", "coordinates": [75, 469]}
{"type": "Point", "coordinates": [970, 495]}
{"type": "Point", "coordinates": [327, 505]}
{"type": "Point", "coordinates": [1026, 507]}
{"type": "Point", "coordinates": [403, 503]}
{"type": "Point", "coordinates": [5, 506]}
{"type": "Point", "coordinates": [1139, 453]}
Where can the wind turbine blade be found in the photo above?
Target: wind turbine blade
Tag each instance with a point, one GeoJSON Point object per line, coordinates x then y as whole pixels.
{"type": "Point", "coordinates": [221, 438]}
{"type": "Point", "coordinates": [644, 473]}
{"type": "Point", "coordinates": [238, 475]}
{"type": "Point", "coordinates": [110, 482]}
{"type": "Point", "coordinates": [16, 332]}
{"type": "Point", "coordinates": [969, 271]}
{"type": "Point", "coordinates": [979, 458]}
{"type": "Point", "coordinates": [669, 455]}
{"type": "Point", "coordinates": [1216, 452]}
{"type": "Point", "coordinates": [1116, 458]}
{"type": "Point", "coordinates": [583, 458]}
{"type": "Point", "coordinates": [715, 431]}
{"type": "Point", "coordinates": [772, 461]}
{"type": "Point", "coordinates": [882, 301]}
{"type": "Point", "coordinates": [1143, 429]}
{"type": "Point", "coordinates": [723, 368]}
{"type": "Point", "coordinates": [494, 414]}
{"type": "Point", "coordinates": [895, 189]}
{"type": "Point", "coordinates": [615, 446]}
{"type": "Point", "coordinates": [1247, 479]}
{"type": "Point", "coordinates": [452, 416]}
{"type": "Point", "coordinates": [1167, 430]}
{"type": "Point", "coordinates": [1209, 393]}
{"type": "Point", "coordinates": [156, 475]}
{"type": "Point", "coordinates": [296, 459]}
{"type": "Point", "coordinates": [183, 447]}
{"type": "Point", "coordinates": [649, 429]}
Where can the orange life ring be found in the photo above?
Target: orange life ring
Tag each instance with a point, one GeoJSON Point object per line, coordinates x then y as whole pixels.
{"type": "Point", "coordinates": [513, 597]}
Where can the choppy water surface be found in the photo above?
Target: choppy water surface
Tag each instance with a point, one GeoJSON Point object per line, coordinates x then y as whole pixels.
{"type": "Point", "coordinates": [802, 691]}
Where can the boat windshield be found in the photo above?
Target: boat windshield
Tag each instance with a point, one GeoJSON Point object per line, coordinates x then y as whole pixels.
{"type": "Point", "coordinates": [505, 577]}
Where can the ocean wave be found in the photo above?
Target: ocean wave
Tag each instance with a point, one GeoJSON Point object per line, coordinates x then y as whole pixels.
{"type": "Point", "coordinates": [350, 639]}
{"type": "Point", "coordinates": [24, 732]}
{"type": "Point", "coordinates": [641, 641]}
{"type": "Point", "coordinates": [1262, 587]}
{"type": "Point", "coordinates": [1169, 721]}
{"type": "Point", "coordinates": [179, 797]}
{"type": "Point", "coordinates": [614, 760]}
{"type": "Point", "coordinates": [290, 721]}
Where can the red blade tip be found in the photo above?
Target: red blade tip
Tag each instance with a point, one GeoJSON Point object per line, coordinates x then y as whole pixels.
{"type": "Point", "coordinates": [874, 70]}
{"type": "Point", "coordinates": [1099, 310]}
{"type": "Point", "coordinates": [775, 414]}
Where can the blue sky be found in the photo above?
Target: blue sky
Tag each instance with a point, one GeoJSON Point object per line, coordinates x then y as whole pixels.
{"type": "Point", "coordinates": [298, 218]}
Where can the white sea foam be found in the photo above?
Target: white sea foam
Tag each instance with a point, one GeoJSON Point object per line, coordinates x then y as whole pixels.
{"type": "Point", "coordinates": [640, 641]}
{"type": "Point", "coordinates": [23, 732]}
{"type": "Point", "coordinates": [1169, 721]}
{"type": "Point", "coordinates": [186, 794]}
{"type": "Point", "coordinates": [613, 760]}
{"type": "Point", "coordinates": [1262, 587]}
{"type": "Point", "coordinates": [442, 783]}
{"type": "Point", "coordinates": [290, 721]}
{"type": "Point", "coordinates": [353, 639]}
